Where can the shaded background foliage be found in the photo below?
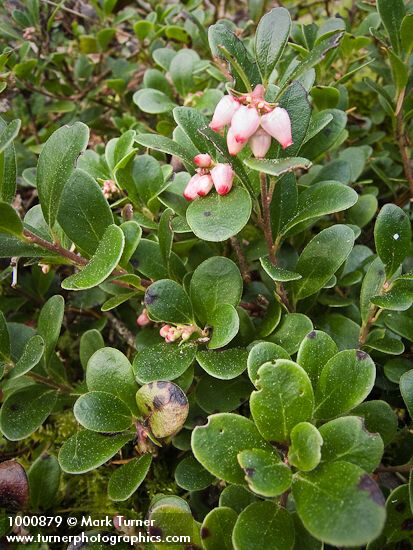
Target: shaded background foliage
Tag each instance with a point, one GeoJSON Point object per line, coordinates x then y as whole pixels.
{"type": "Point", "coordinates": [136, 82]}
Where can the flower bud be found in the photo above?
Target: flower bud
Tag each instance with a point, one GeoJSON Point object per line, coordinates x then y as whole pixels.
{"type": "Point", "coordinates": [260, 142]}
{"type": "Point", "coordinates": [164, 330]}
{"type": "Point", "coordinates": [245, 123]}
{"type": "Point", "coordinates": [191, 189]}
{"type": "Point", "coordinates": [222, 176]}
{"type": "Point", "coordinates": [203, 160]}
{"type": "Point", "coordinates": [224, 112]}
{"type": "Point", "coordinates": [205, 184]}
{"type": "Point", "coordinates": [234, 147]}
{"type": "Point", "coordinates": [277, 123]}
{"type": "Point", "coordinates": [143, 319]}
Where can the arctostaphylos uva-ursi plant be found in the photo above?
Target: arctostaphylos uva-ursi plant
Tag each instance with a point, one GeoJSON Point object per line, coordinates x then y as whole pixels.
{"type": "Point", "coordinates": [206, 298]}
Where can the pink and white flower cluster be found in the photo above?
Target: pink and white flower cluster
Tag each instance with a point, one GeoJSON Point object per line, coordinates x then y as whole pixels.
{"type": "Point", "coordinates": [252, 120]}
{"type": "Point", "coordinates": [209, 175]}
{"type": "Point", "coordinates": [171, 334]}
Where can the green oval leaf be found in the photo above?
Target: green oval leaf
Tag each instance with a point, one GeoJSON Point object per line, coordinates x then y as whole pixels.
{"type": "Point", "coordinates": [82, 200]}
{"type": "Point", "coordinates": [262, 523]}
{"type": "Point", "coordinates": [216, 444]}
{"type": "Point", "coordinates": [10, 222]}
{"type": "Point", "coordinates": [265, 473]}
{"type": "Point", "coordinates": [99, 411]}
{"type": "Point", "coordinates": [102, 263]}
{"type": "Point", "coordinates": [215, 281]}
{"type": "Point", "coordinates": [191, 476]}
{"type": "Point", "coordinates": [56, 164]}
{"type": "Point", "coordinates": [270, 39]}
{"type": "Point", "coordinates": [339, 504]}
{"type": "Point", "coordinates": [284, 398]}
{"type": "Point", "coordinates": [345, 381]}
{"type": "Point", "coordinates": [216, 530]}
{"type": "Point", "coordinates": [108, 370]}
{"type": "Point", "coordinates": [32, 353]}
{"type": "Point", "coordinates": [226, 364]}
{"type": "Point", "coordinates": [392, 235]}
{"type": "Point", "coordinates": [163, 362]}
{"type": "Point", "coordinates": [347, 439]}
{"type": "Point", "coordinates": [167, 301]}
{"type": "Point", "coordinates": [25, 410]}
{"type": "Point", "coordinates": [321, 258]}
{"type": "Point", "coordinates": [305, 449]}
{"type": "Point", "coordinates": [125, 480]}
{"type": "Point", "coordinates": [87, 450]}
{"type": "Point", "coordinates": [216, 218]}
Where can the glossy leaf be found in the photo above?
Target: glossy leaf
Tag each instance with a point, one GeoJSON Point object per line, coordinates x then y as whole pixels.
{"type": "Point", "coordinates": [345, 381]}
{"type": "Point", "coordinates": [215, 281]}
{"type": "Point", "coordinates": [87, 450]}
{"type": "Point", "coordinates": [102, 263]}
{"type": "Point", "coordinates": [392, 235]}
{"type": "Point", "coordinates": [305, 449]}
{"type": "Point", "coordinates": [347, 439]}
{"type": "Point", "coordinates": [216, 218]}
{"type": "Point", "coordinates": [225, 365]}
{"type": "Point", "coordinates": [84, 213]}
{"type": "Point", "coordinates": [321, 258]}
{"type": "Point", "coordinates": [216, 444]}
{"type": "Point", "coordinates": [10, 223]}
{"type": "Point", "coordinates": [262, 523]}
{"type": "Point", "coordinates": [339, 504]}
{"type": "Point", "coordinates": [25, 410]}
{"type": "Point", "coordinates": [191, 476]}
{"type": "Point", "coordinates": [167, 301]}
{"type": "Point", "coordinates": [314, 352]}
{"type": "Point", "coordinates": [108, 370]}
{"type": "Point", "coordinates": [31, 356]}
{"type": "Point", "coordinates": [216, 530]}
{"type": "Point", "coordinates": [270, 39]}
{"type": "Point", "coordinates": [265, 473]}
{"type": "Point", "coordinates": [126, 479]}
{"type": "Point", "coordinates": [163, 362]}
{"type": "Point", "coordinates": [56, 164]}
{"type": "Point", "coordinates": [44, 480]}
{"type": "Point", "coordinates": [100, 411]}
{"type": "Point", "coordinates": [284, 398]}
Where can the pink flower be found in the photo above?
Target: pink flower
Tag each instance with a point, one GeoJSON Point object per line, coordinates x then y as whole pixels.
{"type": "Point", "coordinates": [222, 176]}
{"type": "Point", "coordinates": [234, 147]}
{"type": "Point", "coordinates": [224, 112]}
{"type": "Point", "coordinates": [205, 184]}
{"type": "Point", "coordinates": [260, 142]}
{"type": "Point", "coordinates": [143, 319]}
{"type": "Point", "coordinates": [244, 123]}
{"type": "Point", "coordinates": [203, 160]}
{"type": "Point", "coordinates": [277, 123]}
{"type": "Point", "coordinates": [191, 189]}
{"type": "Point", "coordinates": [164, 330]}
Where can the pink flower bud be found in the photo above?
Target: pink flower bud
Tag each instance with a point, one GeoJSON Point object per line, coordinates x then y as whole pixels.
{"type": "Point", "coordinates": [244, 123]}
{"type": "Point", "coordinates": [277, 123]}
{"type": "Point", "coordinates": [143, 319]}
{"type": "Point", "coordinates": [191, 189]}
{"type": "Point", "coordinates": [224, 112]}
{"type": "Point", "coordinates": [259, 92]}
{"type": "Point", "coordinates": [203, 160]}
{"type": "Point", "coordinates": [234, 147]}
{"type": "Point", "coordinates": [222, 176]}
{"type": "Point", "coordinates": [260, 142]}
{"type": "Point", "coordinates": [164, 330]}
{"type": "Point", "coordinates": [205, 184]}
